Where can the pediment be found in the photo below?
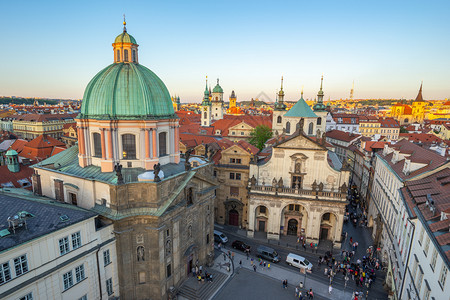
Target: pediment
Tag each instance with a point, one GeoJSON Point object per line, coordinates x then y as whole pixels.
{"type": "Point", "coordinates": [301, 142]}
{"type": "Point", "coordinates": [241, 126]}
{"type": "Point", "coordinates": [233, 150]}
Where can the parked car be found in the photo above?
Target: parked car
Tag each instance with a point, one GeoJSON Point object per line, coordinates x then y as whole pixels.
{"type": "Point", "coordinates": [268, 253]}
{"type": "Point", "coordinates": [219, 237]}
{"type": "Point", "coordinates": [298, 261]}
{"type": "Point", "coordinates": [239, 245]}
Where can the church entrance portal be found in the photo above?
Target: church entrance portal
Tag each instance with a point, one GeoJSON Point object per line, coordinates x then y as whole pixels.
{"type": "Point", "coordinates": [262, 226]}
{"type": "Point", "coordinates": [233, 217]}
{"type": "Point", "coordinates": [292, 227]}
{"type": "Point", "coordinates": [324, 233]}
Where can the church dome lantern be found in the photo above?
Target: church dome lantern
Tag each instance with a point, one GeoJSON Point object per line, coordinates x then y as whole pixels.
{"type": "Point", "coordinates": [127, 116]}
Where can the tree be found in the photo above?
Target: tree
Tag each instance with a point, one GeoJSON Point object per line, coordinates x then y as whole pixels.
{"type": "Point", "coordinates": [260, 135]}
{"type": "Point", "coordinates": [403, 129]}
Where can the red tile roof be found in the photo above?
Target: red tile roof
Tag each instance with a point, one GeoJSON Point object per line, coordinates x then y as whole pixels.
{"type": "Point", "coordinates": [342, 135]}
{"type": "Point", "coordinates": [389, 123]}
{"type": "Point", "coordinates": [41, 147]}
{"type": "Point", "coordinates": [8, 176]}
{"type": "Point", "coordinates": [424, 138]}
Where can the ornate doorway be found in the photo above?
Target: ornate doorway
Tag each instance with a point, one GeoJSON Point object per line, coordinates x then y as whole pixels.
{"type": "Point", "coordinates": [233, 217]}
{"type": "Point", "coordinates": [324, 233]}
{"type": "Point", "coordinates": [261, 226]}
{"type": "Point", "coordinates": [292, 227]}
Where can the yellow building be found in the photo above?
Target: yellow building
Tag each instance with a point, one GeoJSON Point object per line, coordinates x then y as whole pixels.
{"type": "Point", "coordinates": [233, 109]}
{"type": "Point", "coordinates": [406, 114]}
{"type": "Point", "coordinates": [30, 126]}
{"type": "Point", "coordinates": [443, 111]}
{"type": "Point", "coordinates": [418, 107]}
{"type": "Point", "coordinates": [369, 125]}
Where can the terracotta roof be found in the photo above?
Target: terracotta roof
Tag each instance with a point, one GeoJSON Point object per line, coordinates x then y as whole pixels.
{"type": "Point", "coordinates": [342, 135]}
{"type": "Point", "coordinates": [389, 123]}
{"type": "Point", "coordinates": [424, 138]}
{"type": "Point", "coordinates": [18, 145]}
{"type": "Point", "coordinates": [230, 120]}
{"type": "Point", "coordinates": [69, 125]}
{"type": "Point", "coordinates": [11, 177]}
{"type": "Point", "coordinates": [45, 117]}
{"type": "Point", "coordinates": [416, 154]}
{"type": "Point", "coordinates": [192, 140]}
{"type": "Point", "coordinates": [346, 118]}
{"type": "Point", "coordinates": [41, 147]}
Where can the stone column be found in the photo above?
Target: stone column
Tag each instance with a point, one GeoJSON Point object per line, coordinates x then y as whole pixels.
{"type": "Point", "coordinates": [177, 139]}
{"type": "Point", "coordinates": [81, 149]}
{"type": "Point", "coordinates": [110, 144]}
{"type": "Point", "coordinates": [251, 220]}
{"type": "Point", "coordinates": [154, 154]}
{"type": "Point", "coordinates": [102, 130]}
{"type": "Point", "coordinates": [147, 143]}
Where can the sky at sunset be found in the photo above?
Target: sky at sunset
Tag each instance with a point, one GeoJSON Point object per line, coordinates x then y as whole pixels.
{"type": "Point", "coordinates": [53, 48]}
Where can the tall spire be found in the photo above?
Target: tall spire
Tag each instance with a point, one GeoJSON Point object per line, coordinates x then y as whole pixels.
{"type": "Point", "coordinates": [206, 94]}
{"type": "Point", "coordinates": [281, 82]}
{"type": "Point", "coordinates": [320, 91]}
{"type": "Point", "coordinates": [419, 95]}
{"type": "Point", "coordinates": [124, 24]}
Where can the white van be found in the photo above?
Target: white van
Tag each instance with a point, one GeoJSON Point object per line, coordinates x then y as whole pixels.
{"type": "Point", "coordinates": [298, 261]}
{"type": "Point", "coordinates": [219, 237]}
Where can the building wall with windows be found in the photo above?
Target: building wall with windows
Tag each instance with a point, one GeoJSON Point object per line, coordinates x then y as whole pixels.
{"type": "Point", "coordinates": [55, 259]}
{"type": "Point", "coordinates": [300, 189]}
{"type": "Point", "coordinates": [231, 197]}
{"type": "Point", "coordinates": [30, 126]}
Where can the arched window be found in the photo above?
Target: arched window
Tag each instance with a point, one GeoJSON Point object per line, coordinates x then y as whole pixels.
{"type": "Point", "coordinates": [133, 54]}
{"type": "Point", "coordinates": [279, 119]}
{"type": "Point", "coordinates": [125, 55]}
{"type": "Point", "coordinates": [311, 128]}
{"type": "Point", "coordinates": [288, 127]}
{"type": "Point", "coordinates": [97, 144]}
{"type": "Point", "coordinates": [205, 115]}
{"type": "Point", "coordinates": [217, 98]}
{"type": "Point", "coordinates": [118, 55]}
{"type": "Point", "coordinates": [162, 144]}
{"type": "Point", "coordinates": [129, 146]}
{"type": "Point", "coordinates": [319, 121]}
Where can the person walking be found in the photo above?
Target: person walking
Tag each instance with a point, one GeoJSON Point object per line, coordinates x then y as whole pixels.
{"type": "Point", "coordinates": [268, 266]}
{"type": "Point", "coordinates": [296, 291]}
{"type": "Point", "coordinates": [330, 289]}
{"type": "Point", "coordinates": [311, 294]}
{"type": "Point", "coordinates": [240, 263]}
{"type": "Point", "coordinates": [286, 284]}
{"type": "Point", "coordinates": [254, 268]}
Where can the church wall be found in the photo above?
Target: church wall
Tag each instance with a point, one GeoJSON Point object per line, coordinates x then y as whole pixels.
{"type": "Point", "coordinates": [88, 192]}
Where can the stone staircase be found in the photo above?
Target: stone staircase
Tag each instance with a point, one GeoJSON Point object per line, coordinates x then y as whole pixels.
{"type": "Point", "coordinates": [192, 290]}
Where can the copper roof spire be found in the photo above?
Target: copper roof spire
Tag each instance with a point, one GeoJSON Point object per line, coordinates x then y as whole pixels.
{"type": "Point", "coordinates": [419, 95]}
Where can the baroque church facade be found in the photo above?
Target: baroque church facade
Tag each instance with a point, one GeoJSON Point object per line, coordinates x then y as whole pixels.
{"type": "Point", "coordinates": [127, 168]}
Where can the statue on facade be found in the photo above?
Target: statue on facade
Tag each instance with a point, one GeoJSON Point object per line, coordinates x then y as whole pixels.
{"type": "Point", "coordinates": [140, 253]}
{"type": "Point", "coordinates": [324, 138]}
{"type": "Point", "coordinates": [280, 183]}
{"type": "Point", "coordinates": [344, 188]}
{"type": "Point", "coordinates": [156, 169]}
{"type": "Point", "coordinates": [302, 124]}
{"type": "Point", "coordinates": [206, 150]}
{"type": "Point", "coordinates": [298, 167]}
{"type": "Point", "coordinates": [253, 181]}
{"type": "Point", "coordinates": [314, 185]}
{"type": "Point", "coordinates": [118, 169]}
{"type": "Point", "coordinates": [318, 133]}
{"type": "Point", "coordinates": [320, 187]}
{"type": "Point", "coordinates": [274, 183]}
{"type": "Point", "coordinates": [187, 164]}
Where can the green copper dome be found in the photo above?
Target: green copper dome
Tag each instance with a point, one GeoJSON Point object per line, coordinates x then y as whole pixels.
{"type": "Point", "coordinates": [126, 91]}
{"type": "Point", "coordinates": [217, 88]}
{"type": "Point", "coordinates": [124, 37]}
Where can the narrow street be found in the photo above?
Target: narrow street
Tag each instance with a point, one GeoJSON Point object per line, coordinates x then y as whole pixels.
{"type": "Point", "coordinates": [286, 245]}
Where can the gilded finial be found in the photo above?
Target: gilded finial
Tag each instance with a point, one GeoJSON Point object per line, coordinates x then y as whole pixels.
{"type": "Point", "coordinates": [124, 24]}
{"type": "Point", "coordinates": [281, 82]}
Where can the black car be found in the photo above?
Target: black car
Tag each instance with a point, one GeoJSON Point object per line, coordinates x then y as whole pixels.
{"type": "Point", "coordinates": [240, 246]}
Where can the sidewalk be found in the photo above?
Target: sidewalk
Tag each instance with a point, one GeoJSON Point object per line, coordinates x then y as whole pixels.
{"type": "Point", "coordinates": [288, 242]}
{"type": "Point", "coordinates": [279, 274]}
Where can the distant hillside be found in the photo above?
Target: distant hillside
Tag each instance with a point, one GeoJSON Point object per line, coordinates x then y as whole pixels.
{"type": "Point", "coordinates": [8, 100]}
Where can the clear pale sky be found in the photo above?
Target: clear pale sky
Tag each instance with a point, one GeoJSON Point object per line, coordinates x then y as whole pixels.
{"type": "Point", "coordinates": [53, 48]}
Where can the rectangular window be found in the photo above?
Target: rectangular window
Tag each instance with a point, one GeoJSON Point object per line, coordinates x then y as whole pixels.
{"type": "Point", "coordinates": [238, 176]}
{"type": "Point", "coordinates": [109, 287]}
{"type": "Point", "coordinates": [21, 265]}
{"type": "Point", "coordinates": [231, 175]}
{"type": "Point", "coordinates": [106, 257]}
{"type": "Point", "coordinates": [73, 198]}
{"type": "Point", "coordinates": [64, 245]}
{"type": "Point", "coordinates": [68, 280]}
{"type": "Point", "coordinates": [169, 270]}
{"type": "Point", "coordinates": [27, 297]}
{"type": "Point", "coordinates": [421, 235]}
{"type": "Point", "coordinates": [5, 273]}
{"type": "Point", "coordinates": [141, 276]}
{"type": "Point", "coordinates": [83, 298]}
{"type": "Point", "coordinates": [443, 276]}
{"type": "Point", "coordinates": [234, 191]}
{"type": "Point", "coordinates": [426, 293]}
{"type": "Point", "coordinates": [419, 280]}
{"type": "Point", "coordinates": [414, 270]}
{"type": "Point", "coordinates": [433, 259]}
{"type": "Point", "coordinates": [427, 245]}
{"type": "Point", "coordinates": [76, 240]}
{"type": "Point", "coordinates": [291, 206]}
{"type": "Point", "coordinates": [79, 273]}
{"type": "Point", "coordinates": [262, 209]}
